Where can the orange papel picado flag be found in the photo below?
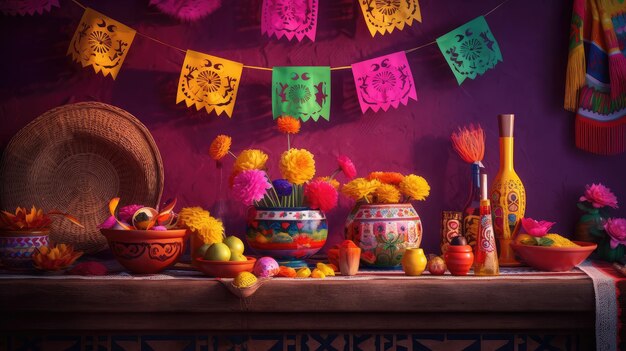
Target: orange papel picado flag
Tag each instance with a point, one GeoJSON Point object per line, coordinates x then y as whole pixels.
{"type": "Point", "coordinates": [101, 42]}
{"type": "Point", "coordinates": [210, 82]}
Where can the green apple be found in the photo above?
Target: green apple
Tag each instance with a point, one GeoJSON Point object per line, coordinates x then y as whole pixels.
{"type": "Point", "coordinates": [237, 257]}
{"type": "Point", "coordinates": [218, 252]}
{"type": "Point", "coordinates": [234, 244]}
{"type": "Point", "coordinates": [201, 251]}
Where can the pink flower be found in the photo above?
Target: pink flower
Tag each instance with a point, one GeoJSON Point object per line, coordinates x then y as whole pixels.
{"type": "Point", "coordinates": [126, 213]}
{"type": "Point", "coordinates": [346, 166]}
{"type": "Point", "coordinates": [536, 228]}
{"type": "Point", "coordinates": [321, 195]}
{"type": "Point", "coordinates": [599, 196]}
{"type": "Point", "coordinates": [109, 223]}
{"type": "Point", "coordinates": [616, 228]}
{"type": "Point", "coordinates": [250, 186]}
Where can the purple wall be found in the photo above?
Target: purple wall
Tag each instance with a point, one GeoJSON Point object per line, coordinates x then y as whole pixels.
{"type": "Point", "coordinates": [37, 76]}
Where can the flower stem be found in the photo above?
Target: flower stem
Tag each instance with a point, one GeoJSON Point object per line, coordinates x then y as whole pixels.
{"type": "Point", "coordinates": [233, 155]}
{"type": "Point", "coordinates": [288, 142]}
{"type": "Point", "coordinates": [334, 173]}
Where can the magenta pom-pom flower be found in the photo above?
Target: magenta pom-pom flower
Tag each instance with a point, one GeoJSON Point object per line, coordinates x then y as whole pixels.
{"type": "Point", "coordinates": [616, 228]}
{"type": "Point", "coordinates": [599, 196]}
{"type": "Point", "coordinates": [346, 166]}
{"type": "Point", "coordinates": [321, 195]}
{"type": "Point", "coordinates": [250, 186]}
{"type": "Point", "coordinates": [536, 228]}
{"type": "Point", "coordinates": [126, 213]}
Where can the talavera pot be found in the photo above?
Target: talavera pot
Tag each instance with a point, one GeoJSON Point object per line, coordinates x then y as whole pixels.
{"type": "Point", "coordinates": [290, 235]}
{"type": "Point", "coordinates": [383, 232]}
{"type": "Point", "coordinates": [17, 247]}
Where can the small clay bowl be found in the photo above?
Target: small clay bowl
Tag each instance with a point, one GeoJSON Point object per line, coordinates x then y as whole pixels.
{"type": "Point", "coordinates": [554, 259]}
{"type": "Point", "coordinates": [145, 251]}
{"type": "Point", "coordinates": [224, 269]}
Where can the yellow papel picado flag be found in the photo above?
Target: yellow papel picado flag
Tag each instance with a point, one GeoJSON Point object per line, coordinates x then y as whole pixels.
{"type": "Point", "coordinates": [210, 82]}
{"type": "Point", "coordinates": [101, 42]}
{"type": "Point", "coordinates": [385, 15]}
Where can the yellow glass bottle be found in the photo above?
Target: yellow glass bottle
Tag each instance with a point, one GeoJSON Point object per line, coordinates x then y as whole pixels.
{"type": "Point", "coordinates": [485, 252]}
{"type": "Point", "coordinates": [508, 196]}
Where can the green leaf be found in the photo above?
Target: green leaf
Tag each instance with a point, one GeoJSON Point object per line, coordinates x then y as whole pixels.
{"type": "Point", "coordinates": [545, 241]}
{"type": "Point", "coordinates": [589, 218]}
{"type": "Point", "coordinates": [582, 206]}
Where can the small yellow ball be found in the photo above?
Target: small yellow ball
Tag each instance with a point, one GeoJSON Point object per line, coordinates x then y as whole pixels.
{"type": "Point", "coordinates": [303, 272]}
{"type": "Point", "coordinates": [244, 280]}
{"type": "Point", "coordinates": [317, 273]}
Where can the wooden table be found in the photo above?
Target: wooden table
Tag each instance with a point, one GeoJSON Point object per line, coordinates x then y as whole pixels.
{"type": "Point", "coordinates": [289, 305]}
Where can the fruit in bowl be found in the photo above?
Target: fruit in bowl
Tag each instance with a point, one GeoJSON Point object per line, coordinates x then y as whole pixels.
{"type": "Point", "coordinates": [549, 252]}
{"type": "Point", "coordinates": [554, 258]}
{"type": "Point", "coordinates": [145, 251]}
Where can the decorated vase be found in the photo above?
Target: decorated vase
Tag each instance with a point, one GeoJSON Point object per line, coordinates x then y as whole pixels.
{"type": "Point", "coordinates": [290, 235]}
{"type": "Point", "coordinates": [383, 232]}
{"type": "Point", "coordinates": [17, 247]}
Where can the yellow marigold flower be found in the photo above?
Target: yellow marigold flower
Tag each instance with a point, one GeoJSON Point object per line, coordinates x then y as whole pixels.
{"type": "Point", "coordinates": [250, 159]}
{"type": "Point", "coordinates": [297, 166]}
{"type": "Point", "coordinates": [360, 188]}
{"type": "Point", "coordinates": [220, 147]}
{"type": "Point", "coordinates": [387, 194]}
{"type": "Point", "coordinates": [200, 222]}
{"type": "Point", "coordinates": [212, 231]}
{"type": "Point", "coordinates": [334, 182]}
{"type": "Point", "coordinates": [288, 125]}
{"type": "Point", "coordinates": [415, 187]}
{"type": "Point", "coordinates": [387, 177]}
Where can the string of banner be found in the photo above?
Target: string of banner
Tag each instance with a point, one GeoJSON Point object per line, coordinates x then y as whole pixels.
{"type": "Point", "coordinates": [212, 82]}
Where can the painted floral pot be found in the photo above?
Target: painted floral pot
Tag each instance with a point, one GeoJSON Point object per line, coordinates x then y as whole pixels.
{"type": "Point", "coordinates": [146, 251]}
{"type": "Point", "coordinates": [383, 232]}
{"type": "Point", "coordinates": [17, 247]}
{"type": "Point", "coordinates": [289, 235]}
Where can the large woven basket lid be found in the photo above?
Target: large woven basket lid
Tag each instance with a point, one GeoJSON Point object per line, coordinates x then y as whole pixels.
{"type": "Point", "coordinates": [75, 158]}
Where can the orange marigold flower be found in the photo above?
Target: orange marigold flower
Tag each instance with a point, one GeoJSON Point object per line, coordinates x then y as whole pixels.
{"type": "Point", "coordinates": [220, 147]}
{"type": "Point", "coordinates": [393, 178]}
{"type": "Point", "coordinates": [288, 124]}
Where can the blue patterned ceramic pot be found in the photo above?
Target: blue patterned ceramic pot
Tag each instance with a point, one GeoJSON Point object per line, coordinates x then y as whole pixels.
{"type": "Point", "coordinates": [289, 235]}
{"type": "Point", "coordinates": [17, 247]}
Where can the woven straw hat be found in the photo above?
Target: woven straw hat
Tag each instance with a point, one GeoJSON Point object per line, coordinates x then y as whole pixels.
{"type": "Point", "coordinates": [74, 159]}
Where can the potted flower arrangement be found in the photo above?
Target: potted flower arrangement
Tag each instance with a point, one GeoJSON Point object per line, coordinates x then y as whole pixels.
{"type": "Point", "coordinates": [22, 232]}
{"type": "Point", "coordinates": [595, 224]}
{"type": "Point", "coordinates": [383, 222]}
{"type": "Point", "coordinates": [286, 217]}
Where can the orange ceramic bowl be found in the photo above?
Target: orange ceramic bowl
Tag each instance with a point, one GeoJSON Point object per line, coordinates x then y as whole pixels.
{"type": "Point", "coordinates": [145, 251]}
{"type": "Point", "coordinates": [224, 269]}
{"type": "Point", "coordinates": [554, 259]}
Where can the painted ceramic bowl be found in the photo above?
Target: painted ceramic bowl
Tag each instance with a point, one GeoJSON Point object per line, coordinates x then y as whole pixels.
{"type": "Point", "coordinates": [555, 259]}
{"type": "Point", "coordinates": [289, 235]}
{"type": "Point", "coordinates": [383, 232]}
{"type": "Point", "coordinates": [145, 251]}
{"type": "Point", "coordinates": [224, 269]}
{"type": "Point", "coordinates": [17, 247]}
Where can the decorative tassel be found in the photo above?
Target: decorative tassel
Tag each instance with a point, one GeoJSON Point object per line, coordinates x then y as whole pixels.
{"type": "Point", "coordinates": [617, 74]}
{"type": "Point", "coordinates": [603, 138]}
{"type": "Point", "coordinates": [575, 77]}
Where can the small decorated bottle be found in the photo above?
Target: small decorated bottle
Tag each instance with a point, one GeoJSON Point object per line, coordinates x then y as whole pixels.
{"type": "Point", "coordinates": [471, 211]}
{"type": "Point", "coordinates": [507, 195]}
{"type": "Point", "coordinates": [486, 255]}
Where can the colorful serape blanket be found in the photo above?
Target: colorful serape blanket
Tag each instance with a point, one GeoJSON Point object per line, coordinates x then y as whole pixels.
{"type": "Point", "coordinates": [595, 86]}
